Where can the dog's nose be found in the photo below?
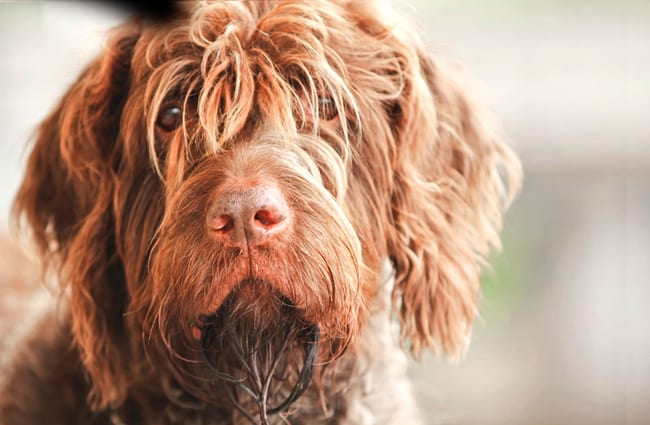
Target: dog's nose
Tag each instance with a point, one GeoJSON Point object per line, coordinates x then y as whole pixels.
{"type": "Point", "coordinates": [248, 216]}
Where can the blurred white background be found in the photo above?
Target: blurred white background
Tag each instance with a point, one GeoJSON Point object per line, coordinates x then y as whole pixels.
{"type": "Point", "coordinates": [564, 336]}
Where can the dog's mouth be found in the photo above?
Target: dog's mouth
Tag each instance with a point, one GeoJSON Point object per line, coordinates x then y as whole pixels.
{"type": "Point", "coordinates": [260, 349]}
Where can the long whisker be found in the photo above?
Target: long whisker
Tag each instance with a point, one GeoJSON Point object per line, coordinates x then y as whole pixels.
{"type": "Point", "coordinates": [307, 371]}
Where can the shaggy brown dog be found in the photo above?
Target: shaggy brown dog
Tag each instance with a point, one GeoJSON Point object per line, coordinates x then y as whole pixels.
{"type": "Point", "coordinates": [233, 204]}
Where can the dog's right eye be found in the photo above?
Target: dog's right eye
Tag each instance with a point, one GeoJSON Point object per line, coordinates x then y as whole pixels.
{"type": "Point", "coordinates": [169, 118]}
{"type": "Point", "coordinates": [327, 108]}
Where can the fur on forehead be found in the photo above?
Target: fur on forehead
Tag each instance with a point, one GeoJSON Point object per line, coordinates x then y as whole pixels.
{"type": "Point", "coordinates": [232, 65]}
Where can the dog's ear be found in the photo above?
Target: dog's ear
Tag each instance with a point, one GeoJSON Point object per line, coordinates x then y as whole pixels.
{"type": "Point", "coordinates": [66, 201]}
{"type": "Point", "coordinates": [453, 179]}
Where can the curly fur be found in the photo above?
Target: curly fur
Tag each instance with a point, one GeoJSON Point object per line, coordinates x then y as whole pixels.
{"type": "Point", "coordinates": [408, 172]}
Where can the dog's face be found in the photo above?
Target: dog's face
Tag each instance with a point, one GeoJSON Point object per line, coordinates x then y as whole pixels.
{"type": "Point", "coordinates": [223, 190]}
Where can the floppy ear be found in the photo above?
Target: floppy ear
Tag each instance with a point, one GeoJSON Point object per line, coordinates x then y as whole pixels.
{"type": "Point", "coordinates": [66, 201]}
{"type": "Point", "coordinates": [453, 179]}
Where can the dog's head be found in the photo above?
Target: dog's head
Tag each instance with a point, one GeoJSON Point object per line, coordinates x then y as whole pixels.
{"type": "Point", "coordinates": [223, 189]}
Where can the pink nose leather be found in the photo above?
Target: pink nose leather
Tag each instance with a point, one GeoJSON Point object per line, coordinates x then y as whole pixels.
{"type": "Point", "coordinates": [249, 216]}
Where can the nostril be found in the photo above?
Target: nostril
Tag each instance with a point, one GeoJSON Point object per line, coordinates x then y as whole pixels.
{"type": "Point", "coordinates": [221, 223]}
{"type": "Point", "coordinates": [268, 218]}
{"type": "Point", "coordinates": [248, 216]}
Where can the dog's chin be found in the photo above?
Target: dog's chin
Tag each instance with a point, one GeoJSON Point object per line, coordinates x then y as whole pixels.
{"type": "Point", "coordinates": [258, 349]}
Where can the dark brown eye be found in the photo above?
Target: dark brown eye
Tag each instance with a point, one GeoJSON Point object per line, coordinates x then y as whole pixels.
{"type": "Point", "coordinates": [327, 108]}
{"type": "Point", "coordinates": [169, 118]}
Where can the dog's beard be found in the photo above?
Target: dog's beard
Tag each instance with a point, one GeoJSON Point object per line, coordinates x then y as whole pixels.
{"type": "Point", "coordinates": [259, 351]}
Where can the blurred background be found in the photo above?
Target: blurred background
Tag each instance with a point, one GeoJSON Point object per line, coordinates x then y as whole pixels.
{"type": "Point", "coordinates": [564, 332]}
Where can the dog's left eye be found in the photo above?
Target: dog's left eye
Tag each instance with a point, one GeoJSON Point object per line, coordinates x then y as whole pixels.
{"type": "Point", "coordinates": [327, 108]}
{"type": "Point", "coordinates": [169, 118]}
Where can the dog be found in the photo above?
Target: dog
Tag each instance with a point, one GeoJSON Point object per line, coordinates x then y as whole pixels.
{"type": "Point", "coordinates": [252, 212]}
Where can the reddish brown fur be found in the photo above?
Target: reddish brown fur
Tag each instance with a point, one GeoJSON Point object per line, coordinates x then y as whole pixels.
{"type": "Point", "coordinates": [407, 172]}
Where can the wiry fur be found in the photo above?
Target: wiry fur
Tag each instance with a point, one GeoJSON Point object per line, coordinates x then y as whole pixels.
{"type": "Point", "coordinates": [408, 172]}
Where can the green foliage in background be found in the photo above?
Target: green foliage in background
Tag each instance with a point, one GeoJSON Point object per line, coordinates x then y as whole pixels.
{"type": "Point", "coordinates": [505, 282]}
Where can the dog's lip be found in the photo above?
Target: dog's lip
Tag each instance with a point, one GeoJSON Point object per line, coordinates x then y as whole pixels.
{"type": "Point", "coordinates": [255, 288]}
{"type": "Point", "coordinates": [250, 286]}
